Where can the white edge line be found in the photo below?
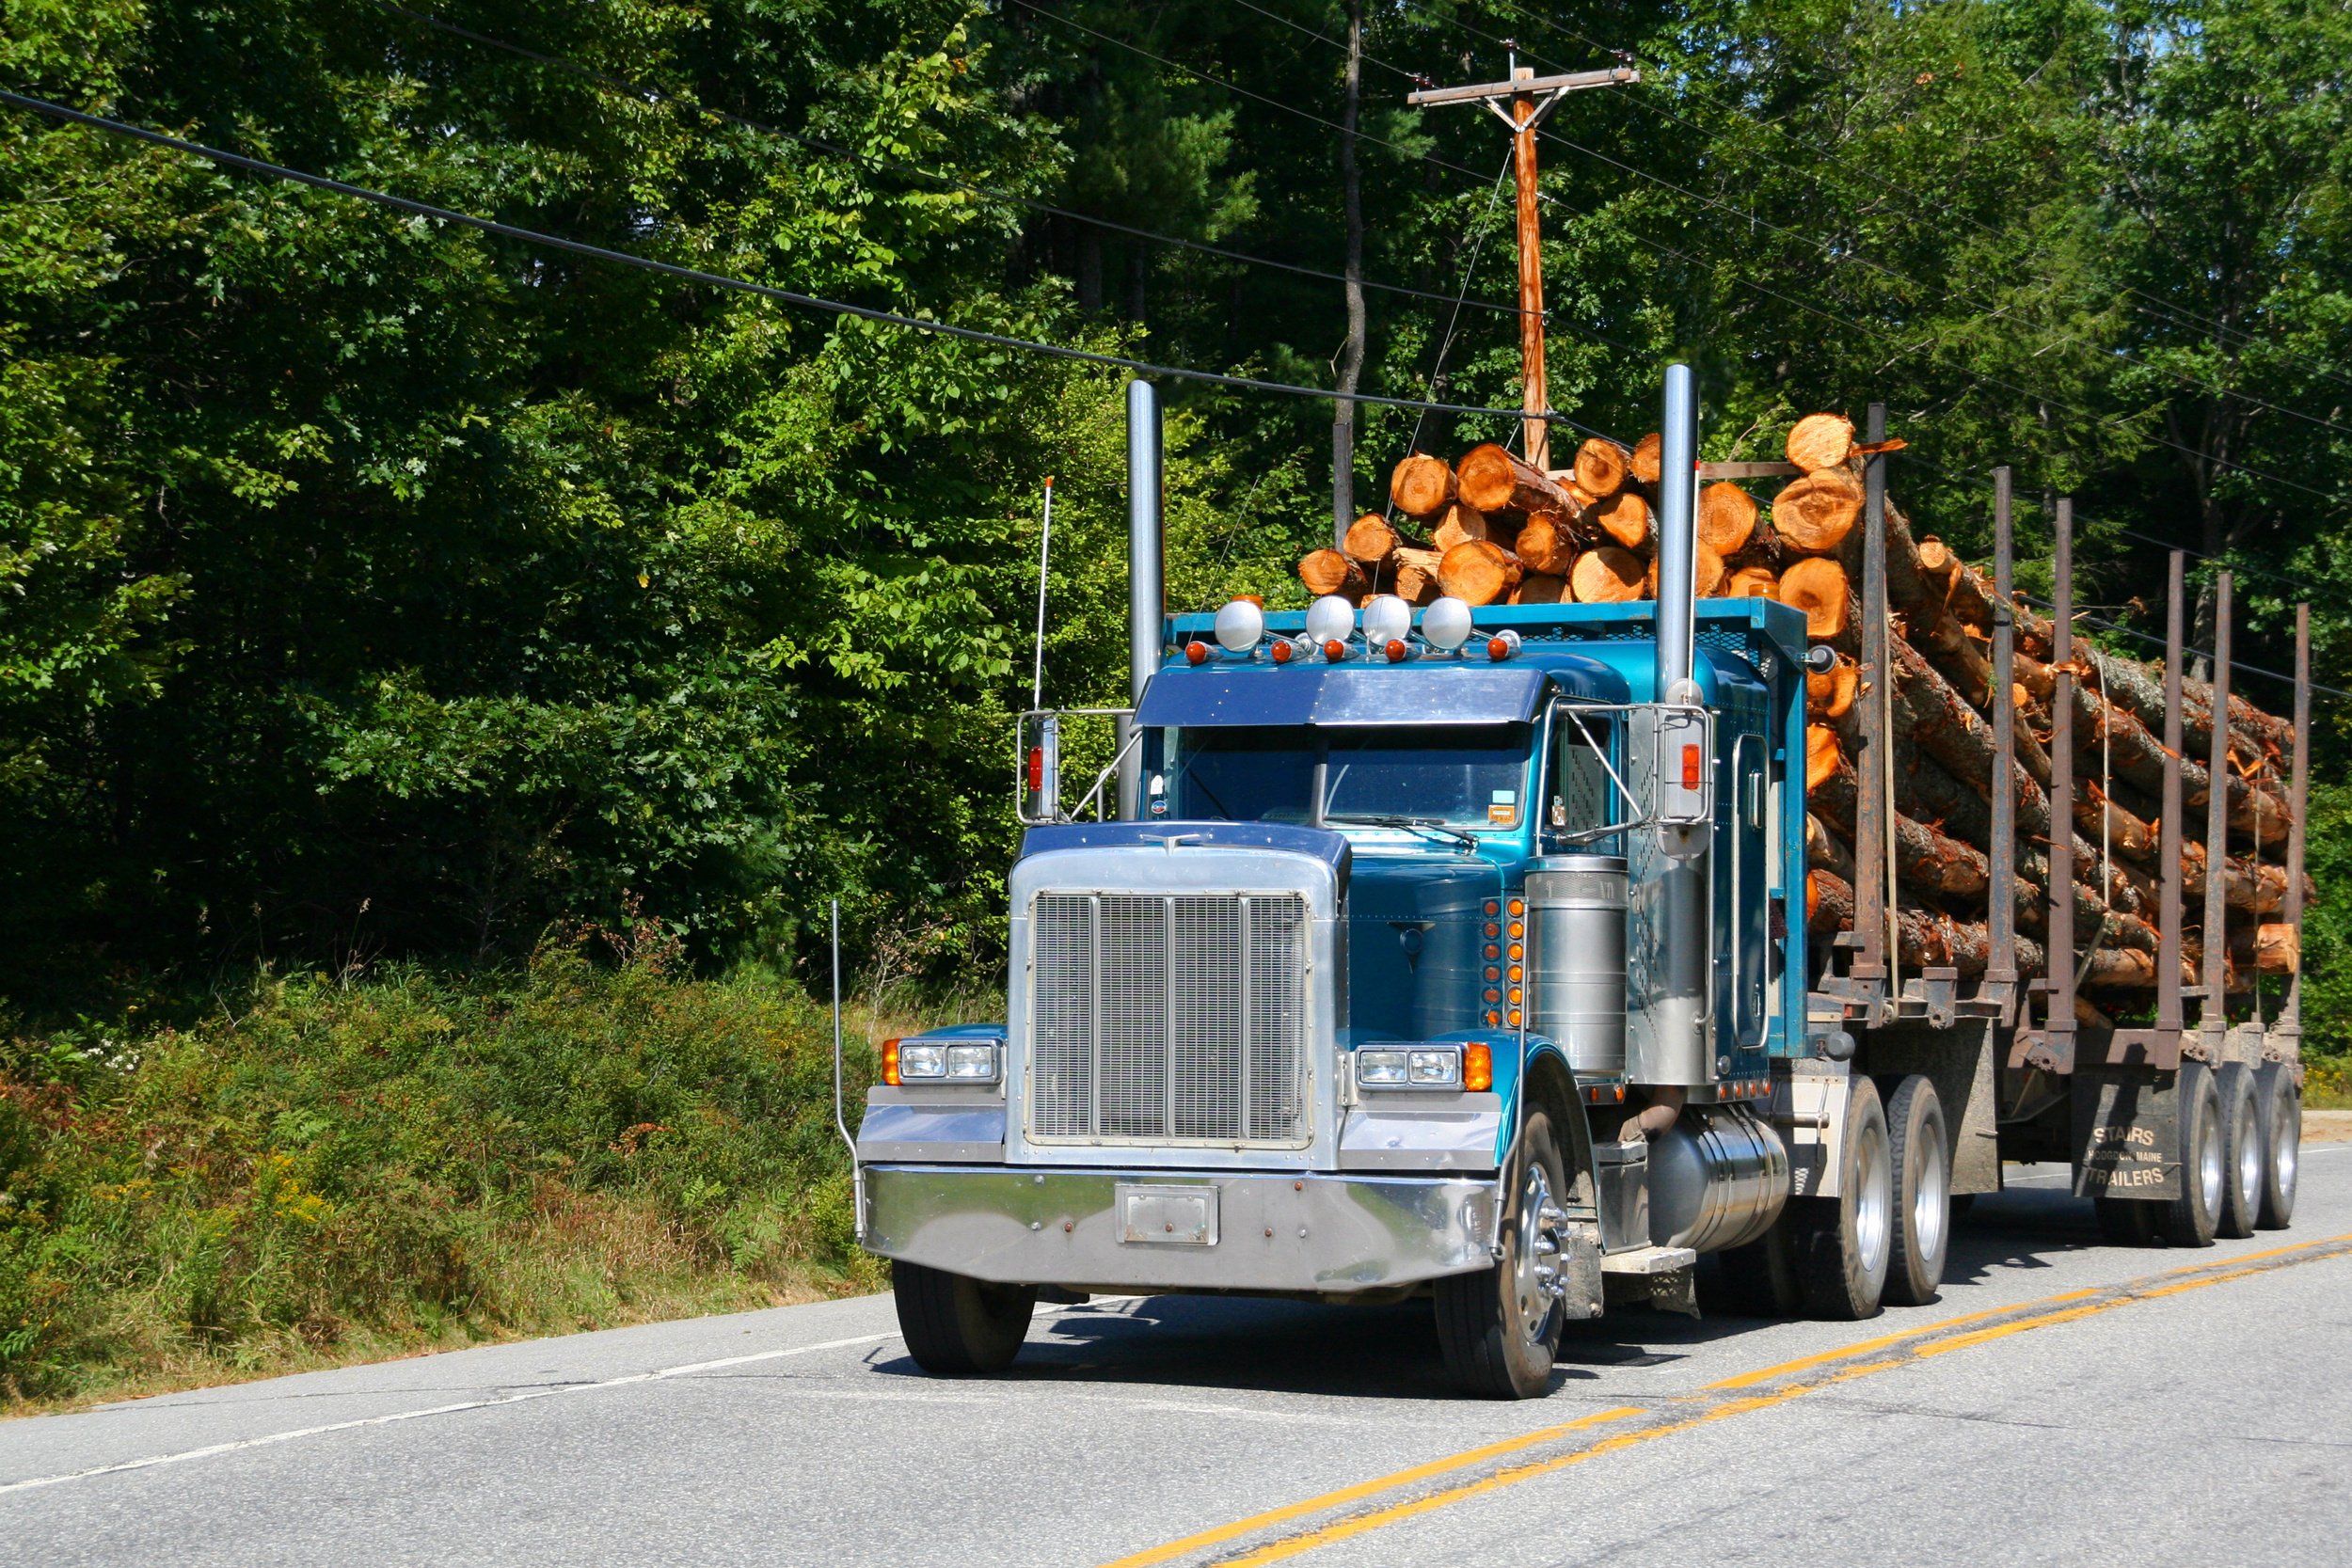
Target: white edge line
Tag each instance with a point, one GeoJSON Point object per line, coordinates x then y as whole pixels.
{"type": "Point", "coordinates": [1045, 1312]}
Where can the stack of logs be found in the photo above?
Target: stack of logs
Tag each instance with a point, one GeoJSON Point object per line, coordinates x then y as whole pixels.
{"type": "Point", "coordinates": [1501, 532]}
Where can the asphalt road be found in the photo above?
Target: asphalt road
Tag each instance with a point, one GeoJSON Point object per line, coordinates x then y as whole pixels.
{"type": "Point", "coordinates": [2096, 1405]}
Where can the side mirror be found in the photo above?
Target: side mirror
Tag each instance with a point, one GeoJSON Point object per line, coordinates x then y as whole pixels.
{"type": "Point", "coordinates": [1039, 787]}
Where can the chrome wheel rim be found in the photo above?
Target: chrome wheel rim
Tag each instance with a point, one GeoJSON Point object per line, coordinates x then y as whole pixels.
{"type": "Point", "coordinates": [1930, 1203]}
{"type": "Point", "coordinates": [1874, 1202]}
{"type": "Point", "coordinates": [1536, 1286]}
{"type": "Point", "coordinates": [2249, 1160]}
{"type": "Point", "coordinates": [2209, 1171]}
{"type": "Point", "coordinates": [2287, 1148]}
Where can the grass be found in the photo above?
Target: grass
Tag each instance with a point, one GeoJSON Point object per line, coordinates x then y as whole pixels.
{"type": "Point", "coordinates": [349, 1172]}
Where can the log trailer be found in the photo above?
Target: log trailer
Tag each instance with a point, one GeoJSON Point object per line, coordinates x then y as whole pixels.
{"type": "Point", "coordinates": [1463, 954]}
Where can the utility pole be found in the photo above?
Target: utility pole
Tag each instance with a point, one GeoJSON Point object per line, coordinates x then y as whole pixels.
{"type": "Point", "coordinates": [1352, 352]}
{"type": "Point", "coordinates": [1532, 99]}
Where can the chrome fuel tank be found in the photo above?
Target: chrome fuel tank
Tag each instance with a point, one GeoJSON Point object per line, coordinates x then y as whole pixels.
{"type": "Point", "coordinates": [1717, 1177]}
{"type": "Point", "coordinates": [1576, 912]}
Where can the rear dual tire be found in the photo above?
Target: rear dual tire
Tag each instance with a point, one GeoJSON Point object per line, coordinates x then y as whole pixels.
{"type": "Point", "coordinates": [2278, 1113]}
{"type": "Point", "coordinates": [1843, 1246]}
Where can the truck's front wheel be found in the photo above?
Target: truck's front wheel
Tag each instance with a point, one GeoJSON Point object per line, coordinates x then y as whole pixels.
{"type": "Point", "coordinates": [1500, 1328]}
{"type": "Point", "coordinates": [957, 1326]}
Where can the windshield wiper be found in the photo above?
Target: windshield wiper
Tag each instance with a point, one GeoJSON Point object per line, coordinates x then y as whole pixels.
{"type": "Point", "coordinates": [1410, 824]}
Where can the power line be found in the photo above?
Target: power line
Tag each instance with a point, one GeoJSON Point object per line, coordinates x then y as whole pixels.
{"type": "Point", "coordinates": [639, 90]}
{"type": "Point", "coordinates": [2165, 311]}
{"type": "Point", "coordinates": [721, 280]}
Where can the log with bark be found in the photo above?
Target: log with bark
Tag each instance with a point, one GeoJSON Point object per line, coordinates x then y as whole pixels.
{"type": "Point", "coordinates": [1457, 522]}
{"type": "Point", "coordinates": [1417, 574]}
{"type": "Point", "coordinates": [1493, 479]}
{"type": "Point", "coordinates": [1645, 454]}
{"type": "Point", "coordinates": [1549, 542]}
{"type": "Point", "coordinates": [1327, 571]}
{"type": "Point", "coordinates": [1825, 849]}
{"type": "Point", "coordinates": [1540, 588]}
{"type": "Point", "coordinates": [1829, 693]}
{"type": "Point", "coordinates": [1370, 541]}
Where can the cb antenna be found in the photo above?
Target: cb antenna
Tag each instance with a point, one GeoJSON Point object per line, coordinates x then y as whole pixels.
{"type": "Point", "coordinates": [1044, 544]}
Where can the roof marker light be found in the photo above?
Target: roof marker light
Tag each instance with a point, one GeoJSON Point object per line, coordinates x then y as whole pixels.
{"type": "Point", "coordinates": [1502, 645]}
{"type": "Point", "coordinates": [1289, 650]}
{"type": "Point", "coordinates": [1386, 619]}
{"type": "Point", "coordinates": [1239, 625]}
{"type": "Point", "coordinates": [1336, 651]}
{"type": "Point", "coordinates": [1446, 623]}
{"type": "Point", "coordinates": [1330, 618]}
{"type": "Point", "coordinates": [1398, 650]}
{"type": "Point", "coordinates": [1196, 653]}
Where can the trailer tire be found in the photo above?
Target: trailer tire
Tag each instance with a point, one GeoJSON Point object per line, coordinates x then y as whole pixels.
{"type": "Point", "coordinates": [1919, 1150]}
{"type": "Point", "coordinates": [2188, 1220]}
{"type": "Point", "coordinates": [1844, 1244]}
{"type": "Point", "coordinates": [2278, 1107]}
{"type": "Point", "coordinates": [2241, 1154]}
{"type": "Point", "coordinates": [1498, 1329]}
{"type": "Point", "coordinates": [957, 1326]}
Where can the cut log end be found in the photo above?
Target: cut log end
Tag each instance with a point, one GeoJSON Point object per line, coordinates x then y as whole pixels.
{"type": "Point", "coordinates": [1813, 515]}
{"type": "Point", "coordinates": [1829, 693]}
{"type": "Point", "coordinates": [1822, 756]}
{"type": "Point", "coordinates": [1540, 588]}
{"type": "Point", "coordinates": [1647, 453]}
{"type": "Point", "coordinates": [1817, 586]}
{"type": "Point", "coordinates": [1752, 583]}
{"type": "Point", "coordinates": [1326, 572]}
{"type": "Point", "coordinates": [1821, 442]}
{"type": "Point", "coordinates": [1457, 522]}
{"type": "Point", "coordinates": [1607, 576]}
{"type": "Point", "coordinates": [1479, 572]}
{"type": "Point", "coordinates": [1370, 539]}
{"type": "Point", "coordinates": [1625, 517]}
{"type": "Point", "coordinates": [1727, 519]}
{"type": "Point", "coordinates": [1602, 467]}
{"type": "Point", "coordinates": [1493, 479]}
{"type": "Point", "coordinates": [1421, 486]}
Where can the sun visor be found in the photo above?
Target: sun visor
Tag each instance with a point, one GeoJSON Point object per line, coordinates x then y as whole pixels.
{"type": "Point", "coordinates": [1338, 695]}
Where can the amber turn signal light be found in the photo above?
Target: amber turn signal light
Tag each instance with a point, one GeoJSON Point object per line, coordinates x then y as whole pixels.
{"type": "Point", "coordinates": [1478, 1067]}
{"type": "Point", "coordinates": [890, 1063]}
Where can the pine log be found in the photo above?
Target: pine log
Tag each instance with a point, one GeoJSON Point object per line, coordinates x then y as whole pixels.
{"type": "Point", "coordinates": [1814, 515]}
{"type": "Point", "coordinates": [1417, 574]}
{"type": "Point", "coordinates": [1607, 576]}
{"type": "Point", "coordinates": [1727, 519]}
{"type": "Point", "coordinates": [1602, 467]}
{"type": "Point", "coordinates": [1647, 453]}
{"type": "Point", "coordinates": [1329, 571]}
{"type": "Point", "coordinates": [1821, 442]}
{"type": "Point", "coordinates": [1953, 732]}
{"type": "Point", "coordinates": [1817, 586]}
{"type": "Point", "coordinates": [1479, 573]}
{"type": "Point", "coordinates": [1492, 479]}
{"type": "Point", "coordinates": [1547, 543]}
{"type": "Point", "coordinates": [2257, 807]}
{"type": "Point", "coordinates": [1828, 902]}
{"type": "Point", "coordinates": [1752, 583]}
{"type": "Point", "coordinates": [1829, 695]}
{"type": "Point", "coordinates": [1625, 518]}
{"type": "Point", "coordinates": [1825, 849]}
{"type": "Point", "coordinates": [1929, 861]}
{"type": "Point", "coordinates": [2278, 950]}
{"type": "Point", "coordinates": [1938, 561]}
{"type": "Point", "coordinates": [1824, 757]}
{"type": "Point", "coordinates": [1421, 486]}
{"type": "Point", "coordinates": [1458, 521]}
{"type": "Point", "coordinates": [1369, 540]}
{"type": "Point", "coordinates": [2141, 688]}
{"type": "Point", "coordinates": [1540, 588]}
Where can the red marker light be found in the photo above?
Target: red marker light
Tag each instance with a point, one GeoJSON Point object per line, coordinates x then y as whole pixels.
{"type": "Point", "coordinates": [1282, 649]}
{"type": "Point", "coordinates": [1037, 769]}
{"type": "Point", "coordinates": [1396, 651]}
{"type": "Point", "coordinates": [1335, 649]}
{"type": "Point", "coordinates": [1689, 768]}
{"type": "Point", "coordinates": [1496, 649]}
{"type": "Point", "coordinates": [1196, 653]}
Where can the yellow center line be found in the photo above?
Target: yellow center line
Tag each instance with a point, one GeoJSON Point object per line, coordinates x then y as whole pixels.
{"type": "Point", "coordinates": [1365, 1489]}
{"type": "Point", "coordinates": [1918, 1348]}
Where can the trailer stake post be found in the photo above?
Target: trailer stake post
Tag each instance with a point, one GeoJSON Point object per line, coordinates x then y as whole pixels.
{"type": "Point", "coordinates": [2061, 944]}
{"type": "Point", "coordinates": [1874, 964]}
{"type": "Point", "coordinates": [2168, 840]}
{"type": "Point", "coordinates": [2213, 1020]}
{"type": "Point", "coordinates": [2290, 1028]}
{"type": "Point", "coordinates": [2000, 975]}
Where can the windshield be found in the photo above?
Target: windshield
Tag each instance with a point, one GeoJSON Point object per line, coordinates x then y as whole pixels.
{"type": "Point", "coordinates": [1466, 776]}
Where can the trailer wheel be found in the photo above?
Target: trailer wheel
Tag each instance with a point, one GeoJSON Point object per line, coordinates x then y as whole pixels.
{"type": "Point", "coordinates": [956, 1326]}
{"type": "Point", "coordinates": [1921, 1156]}
{"type": "Point", "coordinates": [2279, 1111]}
{"type": "Point", "coordinates": [2241, 1153]}
{"type": "Point", "coordinates": [1500, 1328]}
{"type": "Point", "coordinates": [2190, 1219]}
{"type": "Point", "coordinates": [1844, 1244]}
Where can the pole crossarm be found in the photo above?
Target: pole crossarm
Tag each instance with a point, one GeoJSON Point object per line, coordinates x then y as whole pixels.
{"type": "Point", "coordinates": [1428, 97]}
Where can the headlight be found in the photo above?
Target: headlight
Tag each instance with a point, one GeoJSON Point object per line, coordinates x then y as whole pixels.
{"type": "Point", "coordinates": [973, 1064]}
{"type": "Point", "coordinates": [917, 1060]}
{"type": "Point", "coordinates": [1437, 1067]}
{"type": "Point", "coordinates": [1409, 1066]}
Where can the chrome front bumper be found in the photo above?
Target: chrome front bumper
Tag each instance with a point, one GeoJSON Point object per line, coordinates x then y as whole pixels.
{"type": "Point", "coordinates": [1319, 1234]}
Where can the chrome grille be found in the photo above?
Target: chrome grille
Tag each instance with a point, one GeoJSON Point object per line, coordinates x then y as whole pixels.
{"type": "Point", "coordinates": [1169, 1018]}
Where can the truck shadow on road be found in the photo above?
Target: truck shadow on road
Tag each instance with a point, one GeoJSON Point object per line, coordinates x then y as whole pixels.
{"type": "Point", "coordinates": [1391, 1352]}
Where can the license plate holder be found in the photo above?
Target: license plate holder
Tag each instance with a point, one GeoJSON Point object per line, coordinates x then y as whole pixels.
{"type": "Point", "coordinates": [1151, 1214]}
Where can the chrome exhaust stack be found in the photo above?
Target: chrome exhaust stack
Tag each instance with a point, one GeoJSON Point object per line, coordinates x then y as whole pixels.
{"type": "Point", "coordinates": [1147, 607]}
